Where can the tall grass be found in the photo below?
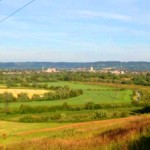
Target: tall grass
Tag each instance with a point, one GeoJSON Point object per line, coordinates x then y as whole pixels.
{"type": "Point", "coordinates": [119, 137]}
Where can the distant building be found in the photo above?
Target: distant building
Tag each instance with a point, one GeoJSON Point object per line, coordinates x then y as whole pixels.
{"type": "Point", "coordinates": [117, 72]}
{"type": "Point", "coordinates": [113, 71]}
{"type": "Point", "coordinates": [50, 70]}
{"type": "Point", "coordinates": [91, 69]}
{"type": "Point", "coordinates": [106, 70]}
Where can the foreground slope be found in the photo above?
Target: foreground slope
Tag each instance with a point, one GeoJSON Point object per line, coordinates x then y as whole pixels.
{"type": "Point", "coordinates": [111, 134]}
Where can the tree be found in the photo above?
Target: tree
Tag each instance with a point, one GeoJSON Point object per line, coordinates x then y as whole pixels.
{"type": "Point", "coordinates": [36, 97]}
{"type": "Point", "coordinates": [7, 97]}
{"type": "Point", "coordinates": [23, 97]}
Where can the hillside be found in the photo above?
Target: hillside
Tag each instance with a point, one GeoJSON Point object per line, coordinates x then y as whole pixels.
{"type": "Point", "coordinates": [137, 66]}
{"type": "Point", "coordinates": [94, 135]}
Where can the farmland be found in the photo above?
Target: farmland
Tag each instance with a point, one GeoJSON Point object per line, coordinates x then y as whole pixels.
{"type": "Point", "coordinates": [29, 92]}
{"type": "Point", "coordinates": [91, 93]}
{"type": "Point", "coordinates": [71, 114]}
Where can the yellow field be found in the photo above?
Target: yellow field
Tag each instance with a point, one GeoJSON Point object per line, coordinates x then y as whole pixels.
{"type": "Point", "coordinates": [30, 92]}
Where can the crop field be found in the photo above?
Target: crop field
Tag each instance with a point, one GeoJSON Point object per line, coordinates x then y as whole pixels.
{"type": "Point", "coordinates": [29, 92]}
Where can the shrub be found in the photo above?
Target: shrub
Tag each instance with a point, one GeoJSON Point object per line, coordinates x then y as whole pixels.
{"type": "Point", "coordinates": [23, 109]}
{"type": "Point", "coordinates": [27, 118]}
{"type": "Point", "coordinates": [65, 106]}
{"type": "Point", "coordinates": [97, 106]}
{"type": "Point", "coordinates": [124, 114]}
{"type": "Point", "coordinates": [100, 114]}
{"type": "Point", "coordinates": [59, 116]}
{"type": "Point", "coordinates": [36, 97]}
{"type": "Point", "coordinates": [89, 105]}
{"type": "Point", "coordinates": [23, 97]}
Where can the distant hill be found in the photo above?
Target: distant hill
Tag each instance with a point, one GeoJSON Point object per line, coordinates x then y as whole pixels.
{"type": "Point", "coordinates": [137, 66]}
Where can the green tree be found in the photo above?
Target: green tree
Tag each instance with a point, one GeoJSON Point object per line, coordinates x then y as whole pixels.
{"type": "Point", "coordinates": [36, 97]}
{"type": "Point", "coordinates": [7, 98]}
{"type": "Point", "coordinates": [23, 97]}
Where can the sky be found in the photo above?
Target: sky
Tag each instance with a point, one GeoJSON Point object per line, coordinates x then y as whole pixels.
{"type": "Point", "coordinates": [75, 30]}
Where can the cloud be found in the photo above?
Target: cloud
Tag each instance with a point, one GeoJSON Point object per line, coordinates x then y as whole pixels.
{"type": "Point", "coordinates": [105, 15]}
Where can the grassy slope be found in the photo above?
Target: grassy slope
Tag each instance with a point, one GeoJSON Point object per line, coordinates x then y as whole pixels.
{"type": "Point", "coordinates": [11, 129]}
{"type": "Point", "coordinates": [70, 135]}
{"type": "Point", "coordinates": [90, 134]}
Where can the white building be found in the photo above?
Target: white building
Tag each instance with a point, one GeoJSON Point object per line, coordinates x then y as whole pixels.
{"type": "Point", "coordinates": [50, 70]}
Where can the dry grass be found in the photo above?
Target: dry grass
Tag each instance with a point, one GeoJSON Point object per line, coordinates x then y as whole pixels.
{"type": "Point", "coordinates": [30, 92]}
{"type": "Point", "coordinates": [108, 134]}
{"type": "Point", "coordinates": [89, 126]}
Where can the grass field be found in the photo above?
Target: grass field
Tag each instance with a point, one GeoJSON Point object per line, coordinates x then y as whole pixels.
{"type": "Point", "coordinates": [77, 85]}
{"type": "Point", "coordinates": [91, 93]}
{"type": "Point", "coordinates": [11, 129]}
{"type": "Point", "coordinates": [88, 96]}
{"type": "Point", "coordinates": [77, 128]}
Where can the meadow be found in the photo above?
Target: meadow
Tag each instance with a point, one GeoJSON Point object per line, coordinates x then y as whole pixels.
{"type": "Point", "coordinates": [100, 116]}
{"type": "Point", "coordinates": [91, 93]}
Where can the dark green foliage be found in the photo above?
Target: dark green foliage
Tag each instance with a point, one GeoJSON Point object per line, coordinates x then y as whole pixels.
{"type": "Point", "coordinates": [23, 97]}
{"type": "Point", "coordinates": [65, 106]}
{"type": "Point", "coordinates": [143, 143]}
{"type": "Point", "coordinates": [89, 105]}
{"type": "Point", "coordinates": [58, 93]}
{"type": "Point", "coordinates": [144, 110]}
{"type": "Point", "coordinates": [101, 114]}
{"type": "Point", "coordinates": [36, 97]}
{"type": "Point", "coordinates": [36, 80]}
{"type": "Point", "coordinates": [62, 93]}
{"type": "Point", "coordinates": [23, 109]}
{"type": "Point", "coordinates": [7, 97]}
{"type": "Point", "coordinates": [142, 79]}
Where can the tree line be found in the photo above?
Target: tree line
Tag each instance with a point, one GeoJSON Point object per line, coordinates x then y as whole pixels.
{"type": "Point", "coordinates": [38, 80]}
{"type": "Point", "coordinates": [57, 94]}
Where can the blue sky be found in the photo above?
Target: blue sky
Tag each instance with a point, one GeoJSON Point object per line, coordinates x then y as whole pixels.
{"type": "Point", "coordinates": [71, 30]}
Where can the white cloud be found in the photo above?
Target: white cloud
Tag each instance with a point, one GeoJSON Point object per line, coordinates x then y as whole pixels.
{"type": "Point", "coordinates": [105, 15]}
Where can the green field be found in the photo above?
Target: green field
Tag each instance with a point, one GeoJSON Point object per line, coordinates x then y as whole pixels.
{"type": "Point", "coordinates": [88, 96]}
{"type": "Point", "coordinates": [12, 129]}
{"type": "Point", "coordinates": [77, 85]}
{"type": "Point", "coordinates": [78, 125]}
{"type": "Point", "coordinates": [91, 93]}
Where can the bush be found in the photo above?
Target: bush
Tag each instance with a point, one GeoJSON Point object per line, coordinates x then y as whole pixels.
{"type": "Point", "coordinates": [23, 97]}
{"type": "Point", "coordinates": [65, 106]}
{"type": "Point", "coordinates": [59, 116]}
{"type": "Point", "coordinates": [23, 109]}
{"type": "Point", "coordinates": [26, 118]}
{"type": "Point", "coordinates": [89, 105]}
{"type": "Point", "coordinates": [124, 114]}
{"type": "Point", "coordinates": [97, 106]}
{"type": "Point", "coordinates": [100, 115]}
